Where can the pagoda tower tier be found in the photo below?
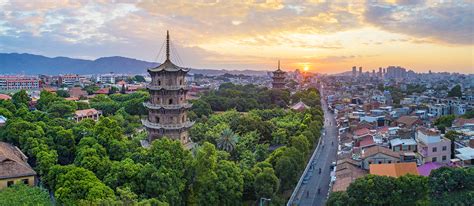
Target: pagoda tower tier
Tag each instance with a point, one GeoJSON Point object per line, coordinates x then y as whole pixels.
{"type": "Point", "coordinates": [278, 78]}
{"type": "Point", "coordinates": [168, 106]}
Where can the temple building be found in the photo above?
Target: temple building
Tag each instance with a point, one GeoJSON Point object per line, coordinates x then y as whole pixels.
{"type": "Point", "coordinates": [167, 108]}
{"type": "Point", "coordinates": [278, 78]}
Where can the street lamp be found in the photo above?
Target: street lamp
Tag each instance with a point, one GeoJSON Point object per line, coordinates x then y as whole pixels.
{"type": "Point", "coordinates": [262, 200]}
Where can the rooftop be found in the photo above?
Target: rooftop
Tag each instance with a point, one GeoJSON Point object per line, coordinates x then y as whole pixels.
{"type": "Point", "coordinates": [13, 163]}
{"type": "Point", "coordinates": [394, 169]}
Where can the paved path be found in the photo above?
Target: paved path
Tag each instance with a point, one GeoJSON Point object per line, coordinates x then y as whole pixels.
{"type": "Point", "coordinates": [326, 153]}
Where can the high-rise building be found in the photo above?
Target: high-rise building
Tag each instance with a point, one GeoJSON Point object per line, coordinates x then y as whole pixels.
{"type": "Point", "coordinates": [360, 71]}
{"type": "Point", "coordinates": [354, 71]}
{"type": "Point", "coordinates": [396, 72]}
{"type": "Point", "coordinates": [167, 108]}
{"type": "Point", "coordinates": [278, 78]}
{"type": "Point", "coordinates": [380, 72]}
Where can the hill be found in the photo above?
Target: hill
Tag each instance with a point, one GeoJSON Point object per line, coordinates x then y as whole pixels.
{"type": "Point", "coordinates": [31, 64]}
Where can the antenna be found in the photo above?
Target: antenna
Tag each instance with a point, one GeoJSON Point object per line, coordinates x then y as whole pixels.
{"type": "Point", "coordinates": [167, 45]}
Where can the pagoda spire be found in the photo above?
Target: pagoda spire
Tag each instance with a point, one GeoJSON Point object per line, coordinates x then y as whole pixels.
{"type": "Point", "coordinates": [167, 45]}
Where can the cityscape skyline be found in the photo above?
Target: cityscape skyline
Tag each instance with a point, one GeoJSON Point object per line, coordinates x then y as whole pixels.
{"type": "Point", "coordinates": [321, 36]}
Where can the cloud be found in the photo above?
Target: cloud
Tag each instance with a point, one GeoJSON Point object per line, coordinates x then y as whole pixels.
{"type": "Point", "coordinates": [449, 22]}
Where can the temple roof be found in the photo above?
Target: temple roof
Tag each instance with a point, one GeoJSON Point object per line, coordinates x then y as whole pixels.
{"type": "Point", "coordinates": [169, 67]}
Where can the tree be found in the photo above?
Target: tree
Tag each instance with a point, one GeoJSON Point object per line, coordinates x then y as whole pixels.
{"type": "Point", "coordinates": [227, 141]}
{"type": "Point", "coordinates": [338, 199]}
{"type": "Point", "coordinates": [444, 122]}
{"type": "Point", "coordinates": [65, 144]}
{"type": "Point", "coordinates": [61, 109]}
{"type": "Point", "coordinates": [201, 108]}
{"type": "Point", "coordinates": [412, 188]}
{"type": "Point", "coordinates": [62, 93]}
{"type": "Point", "coordinates": [204, 185]}
{"type": "Point", "coordinates": [113, 90]}
{"type": "Point", "coordinates": [455, 91]}
{"type": "Point", "coordinates": [452, 135]}
{"type": "Point", "coordinates": [45, 160]}
{"type": "Point", "coordinates": [469, 114]}
{"type": "Point", "coordinates": [374, 190]}
{"type": "Point", "coordinates": [266, 183]}
{"type": "Point", "coordinates": [229, 183]}
{"type": "Point", "coordinates": [139, 78]}
{"type": "Point", "coordinates": [20, 98]}
{"type": "Point", "coordinates": [301, 143]}
{"type": "Point", "coordinates": [123, 90]}
{"type": "Point", "coordinates": [81, 185]}
{"type": "Point", "coordinates": [20, 194]}
{"type": "Point", "coordinates": [164, 176]}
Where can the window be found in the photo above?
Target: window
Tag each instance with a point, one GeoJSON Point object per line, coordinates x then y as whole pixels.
{"type": "Point", "coordinates": [25, 181]}
{"type": "Point", "coordinates": [434, 159]}
{"type": "Point", "coordinates": [159, 83]}
{"type": "Point", "coordinates": [435, 149]}
{"type": "Point", "coordinates": [182, 119]}
{"type": "Point", "coordinates": [444, 157]}
{"type": "Point", "coordinates": [9, 183]}
{"type": "Point", "coordinates": [389, 161]}
{"type": "Point", "coordinates": [380, 162]}
{"type": "Point", "coordinates": [157, 120]}
{"type": "Point", "coordinates": [370, 162]}
{"type": "Point", "coordinates": [170, 101]}
{"type": "Point", "coordinates": [180, 82]}
{"type": "Point", "coordinates": [445, 148]}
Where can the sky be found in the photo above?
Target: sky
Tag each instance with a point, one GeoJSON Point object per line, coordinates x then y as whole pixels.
{"type": "Point", "coordinates": [323, 36]}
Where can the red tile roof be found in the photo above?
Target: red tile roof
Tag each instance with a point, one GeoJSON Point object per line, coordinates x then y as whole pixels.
{"type": "Point", "coordinates": [4, 97]}
{"type": "Point", "coordinates": [361, 132]}
{"type": "Point", "coordinates": [394, 169]}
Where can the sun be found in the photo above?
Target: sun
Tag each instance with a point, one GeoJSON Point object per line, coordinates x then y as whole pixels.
{"type": "Point", "coordinates": [306, 68]}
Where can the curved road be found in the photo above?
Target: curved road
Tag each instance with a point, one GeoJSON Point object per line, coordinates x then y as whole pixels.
{"type": "Point", "coordinates": [325, 154]}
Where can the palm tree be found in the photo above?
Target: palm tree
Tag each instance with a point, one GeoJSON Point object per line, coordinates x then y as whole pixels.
{"type": "Point", "coordinates": [227, 141]}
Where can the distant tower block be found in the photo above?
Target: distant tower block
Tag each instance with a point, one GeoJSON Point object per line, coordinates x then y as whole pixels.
{"type": "Point", "coordinates": [354, 71]}
{"type": "Point", "coordinates": [167, 108]}
{"type": "Point", "coordinates": [278, 78]}
{"type": "Point", "coordinates": [373, 72]}
{"type": "Point", "coordinates": [360, 71]}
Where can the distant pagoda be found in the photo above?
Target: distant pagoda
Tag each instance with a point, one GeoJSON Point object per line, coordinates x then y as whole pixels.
{"type": "Point", "coordinates": [278, 78]}
{"type": "Point", "coordinates": [167, 108]}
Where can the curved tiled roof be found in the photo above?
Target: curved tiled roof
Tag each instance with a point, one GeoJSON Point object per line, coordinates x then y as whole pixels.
{"type": "Point", "coordinates": [169, 67]}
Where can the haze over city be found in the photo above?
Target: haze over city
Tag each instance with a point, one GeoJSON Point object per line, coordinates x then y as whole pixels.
{"type": "Point", "coordinates": [322, 36]}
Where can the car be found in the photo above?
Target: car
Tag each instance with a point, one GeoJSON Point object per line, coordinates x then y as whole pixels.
{"type": "Point", "coordinates": [333, 165]}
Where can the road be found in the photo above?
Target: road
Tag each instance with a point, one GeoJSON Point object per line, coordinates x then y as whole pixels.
{"type": "Point", "coordinates": [324, 155]}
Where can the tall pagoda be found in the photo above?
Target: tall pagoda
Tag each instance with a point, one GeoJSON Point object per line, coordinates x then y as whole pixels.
{"type": "Point", "coordinates": [278, 78]}
{"type": "Point", "coordinates": [168, 106]}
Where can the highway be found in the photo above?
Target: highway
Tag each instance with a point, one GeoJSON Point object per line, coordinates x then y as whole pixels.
{"type": "Point", "coordinates": [324, 155]}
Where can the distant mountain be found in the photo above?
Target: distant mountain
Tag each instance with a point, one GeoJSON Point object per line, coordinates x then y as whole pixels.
{"type": "Point", "coordinates": [14, 63]}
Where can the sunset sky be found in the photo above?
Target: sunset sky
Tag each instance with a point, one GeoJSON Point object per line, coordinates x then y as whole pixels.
{"type": "Point", "coordinates": [325, 36]}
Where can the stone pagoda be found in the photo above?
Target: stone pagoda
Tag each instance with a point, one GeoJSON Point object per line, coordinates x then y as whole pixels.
{"type": "Point", "coordinates": [278, 78]}
{"type": "Point", "coordinates": [167, 108]}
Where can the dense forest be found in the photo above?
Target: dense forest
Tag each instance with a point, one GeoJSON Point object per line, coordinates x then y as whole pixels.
{"type": "Point", "coordinates": [246, 152]}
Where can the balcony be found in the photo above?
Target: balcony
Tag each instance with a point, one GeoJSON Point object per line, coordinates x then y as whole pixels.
{"type": "Point", "coordinates": [149, 124]}
{"type": "Point", "coordinates": [170, 106]}
{"type": "Point", "coordinates": [174, 87]}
